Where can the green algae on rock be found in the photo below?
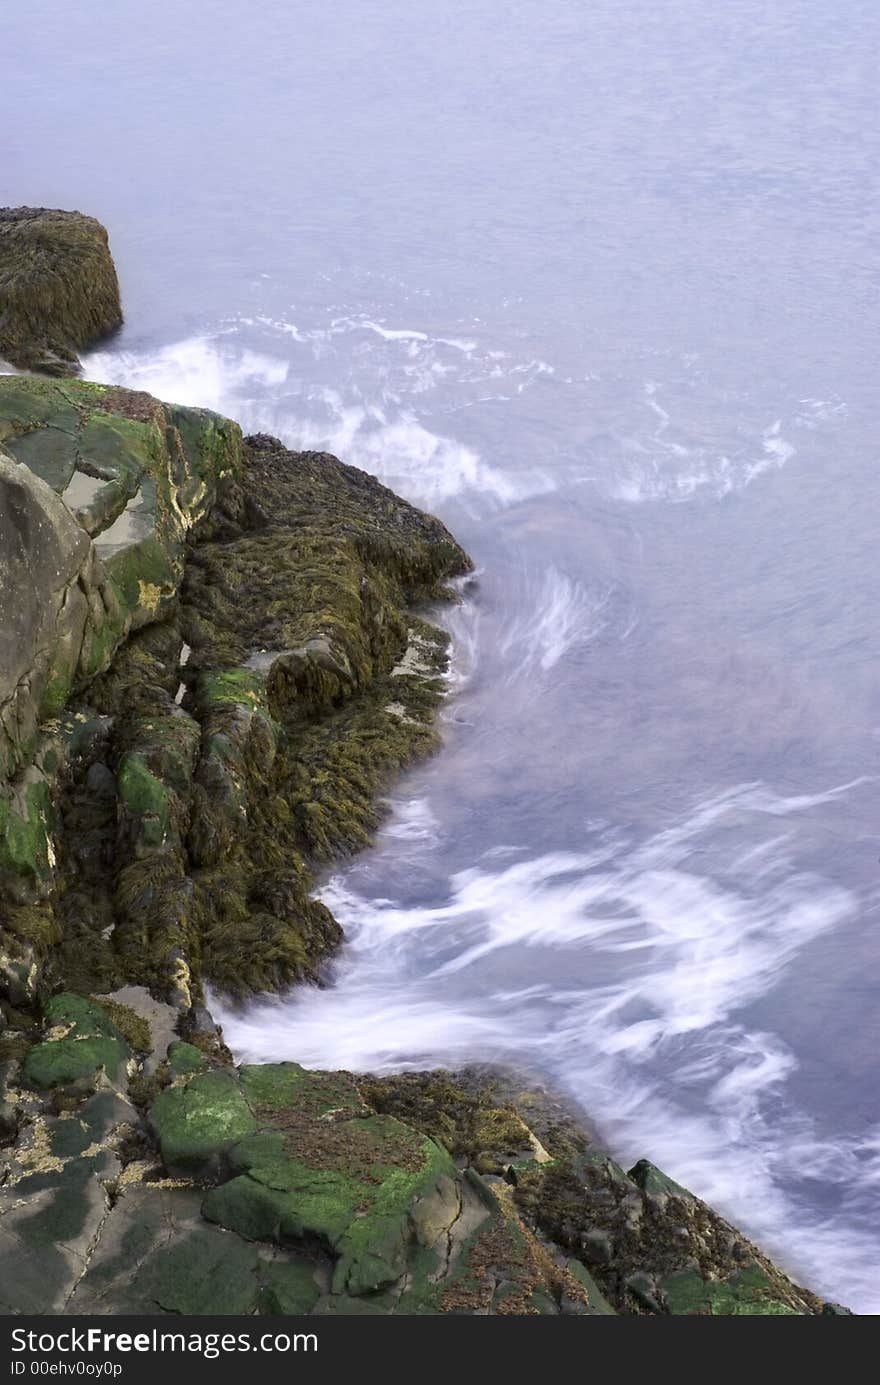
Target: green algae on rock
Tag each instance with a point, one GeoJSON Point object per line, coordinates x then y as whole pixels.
{"type": "Point", "coordinates": [81, 1039]}
{"type": "Point", "coordinates": [322, 1166]}
{"type": "Point", "coordinates": [58, 287]}
{"type": "Point", "coordinates": [279, 1190]}
{"type": "Point", "coordinates": [197, 1122]}
{"type": "Point", "coordinates": [72, 601]}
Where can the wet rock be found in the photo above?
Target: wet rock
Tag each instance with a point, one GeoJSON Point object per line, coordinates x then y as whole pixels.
{"type": "Point", "coordinates": [654, 1182]}
{"type": "Point", "coordinates": [156, 1255]}
{"type": "Point", "coordinates": [597, 1246]}
{"type": "Point", "coordinates": [44, 558]}
{"type": "Point", "coordinates": [152, 1027]}
{"type": "Point", "coordinates": [9, 1119]}
{"type": "Point", "coordinates": [55, 1200]}
{"type": "Point", "coordinates": [58, 285]}
{"type": "Point", "coordinates": [80, 1041]}
{"type": "Point", "coordinates": [185, 1059]}
{"type": "Point", "coordinates": [749, 1291]}
{"type": "Point", "coordinates": [596, 1302]}
{"type": "Point", "coordinates": [290, 1288]}
{"type": "Point", "coordinates": [196, 1124]}
{"type": "Point", "coordinates": [652, 1246]}
{"type": "Point", "coordinates": [644, 1290]}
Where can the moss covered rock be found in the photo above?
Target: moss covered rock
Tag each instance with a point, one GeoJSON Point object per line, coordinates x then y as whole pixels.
{"type": "Point", "coordinates": [45, 564]}
{"type": "Point", "coordinates": [322, 1166]}
{"type": "Point", "coordinates": [80, 1039]}
{"type": "Point", "coordinates": [196, 1123]}
{"type": "Point", "coordinates": [136, 475]}
{"type": "Point", "coordinates": [58, 287]}
{"type": "Point", "coordinates": [185, 1059]}
{"type": "Point", "coordinates": [100, 490]}
{"type": "Point", "coordinates": [746, 1292]}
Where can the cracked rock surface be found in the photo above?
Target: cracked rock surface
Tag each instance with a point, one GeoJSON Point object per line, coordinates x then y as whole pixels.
{"type": "Point", "coordinates": [269, 1189]}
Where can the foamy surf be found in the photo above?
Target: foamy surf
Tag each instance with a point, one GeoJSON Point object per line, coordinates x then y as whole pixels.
{"type": "Point", "coordinates": [555, 614]}
{"type": "Point", "coordinates": [645, 968]}
{"type": "Point", "coordinates": [376, 421]}
{"type": "Point", "coordinates": [666, 463]}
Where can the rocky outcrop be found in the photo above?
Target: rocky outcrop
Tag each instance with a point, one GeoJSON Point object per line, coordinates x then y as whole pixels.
{"type": "Point", "coordinates": [205, 686]}
{"type": "Point", "coordinates": [58, 288]}
{"type": "Point", "coordinates": [99, 489]}
{"type": "Point", "coordinates": [264, 1189]}
{"type": "Point", "coordinates": [271, 1189]}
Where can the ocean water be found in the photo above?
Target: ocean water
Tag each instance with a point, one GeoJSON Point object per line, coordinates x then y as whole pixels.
{"type": "Point", "coordinates": [598, 284]}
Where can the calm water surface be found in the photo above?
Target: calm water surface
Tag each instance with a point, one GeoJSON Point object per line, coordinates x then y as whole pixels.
{"type": "Point", "coordinates": [598, 283]}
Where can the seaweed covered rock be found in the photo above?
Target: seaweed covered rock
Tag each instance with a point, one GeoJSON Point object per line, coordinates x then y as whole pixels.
{"type": "Point", "coordinates": [100, 490]}
{"type": "Point", "coordinates": [58, 287]}
{"type": "Point", "coordinates": [644, 1243]}
{"type": "Point", "coordinates": [241, 622]}
{"type": "Point", "coordinates": [314, 682]}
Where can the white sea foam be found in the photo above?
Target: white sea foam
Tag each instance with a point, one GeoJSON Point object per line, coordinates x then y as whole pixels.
{"type": "Point", "coordinates": [667, 465]}
{"type": "Point", "coordinates": [206, 372]}
{"type": "Point", "coordinates": [414, 821]}
{"type": "Point", "coordinates": [463, 621]}
{"type": "Point", "coordinates": [815, 412]}
{"type": "Point", "coordinates": [410, 457]}
{"type": "Point", "coordinates": [378, 429]}
{"type": "Point", "coordinates": [657, 1051]}
{"type": "Point", "coordinates": [550, 618]}
{"type": "Point", "coordinates": [392, 333]}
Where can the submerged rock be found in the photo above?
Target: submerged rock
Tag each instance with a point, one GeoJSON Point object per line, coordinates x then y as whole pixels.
{"type": "Point", "coordinates": [58, 287]}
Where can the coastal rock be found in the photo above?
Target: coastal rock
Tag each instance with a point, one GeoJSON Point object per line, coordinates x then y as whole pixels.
{"type": "Point", "coordinates": [272, 1189]}
{"type": "Point", "coordinates": [239, 675]}
{"type": "Point", "coordinates": [45, 565]}
{"type": "Point", "coordinates": [197, 1123]}
{"type": "Point", "coordinates": [646, 1244]}
{"type": "Point", "coordinates": [55, 1198]}
{"type": "Point", "coordinates": [157, 1255]}
{"type": "Point", "coordinates": [58, 287]}
{"type": "Point", "coordinates": [113, 466]}
{"type": "Point", "coordinates": [81, 1040]}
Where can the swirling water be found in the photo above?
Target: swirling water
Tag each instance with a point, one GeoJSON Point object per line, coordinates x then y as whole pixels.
{"type": "Point", "coordinates": [599, 285]}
